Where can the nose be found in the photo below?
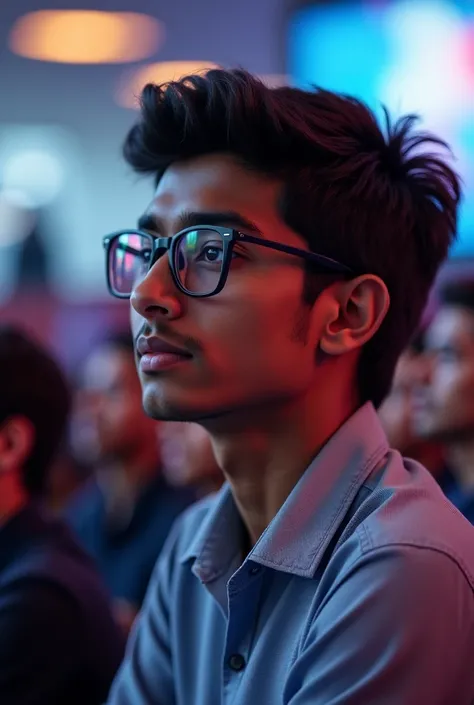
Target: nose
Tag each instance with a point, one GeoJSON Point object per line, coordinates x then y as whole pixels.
{"type": "Point", "coordinates": [156, 295]}
{"type": "Point", "coordinates": [425, 368]}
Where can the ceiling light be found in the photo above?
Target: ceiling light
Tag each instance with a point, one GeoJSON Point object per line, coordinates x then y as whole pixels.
{"type": "Point", "coordinates": [86, 36]}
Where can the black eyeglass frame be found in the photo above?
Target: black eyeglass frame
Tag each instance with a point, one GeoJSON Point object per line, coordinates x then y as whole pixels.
{"type": "Point", "coordinates": [160, 245]}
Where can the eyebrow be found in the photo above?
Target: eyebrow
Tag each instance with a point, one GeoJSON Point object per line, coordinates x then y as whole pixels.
{"type": "Point", "coordinates": [231, 219]}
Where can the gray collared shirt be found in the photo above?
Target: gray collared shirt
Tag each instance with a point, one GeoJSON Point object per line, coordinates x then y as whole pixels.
{"type": "Point", "coordinates": [359, 592]}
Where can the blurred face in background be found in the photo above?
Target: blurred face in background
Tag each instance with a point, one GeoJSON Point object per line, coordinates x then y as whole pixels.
{"type": "Point", "coordinates": [109, 422]}
{"type": "Point", "coordinates": [397, 410]}
{"type": "Point", "coordinates": [188, 456]}
{"type": "Point", "coordinates": [444, 406]}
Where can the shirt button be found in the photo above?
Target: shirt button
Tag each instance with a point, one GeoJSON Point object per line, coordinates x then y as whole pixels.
{"type": "Point", "coordinates": [237, 662]}
{"type": "Point", "coordinates": [254, 570]}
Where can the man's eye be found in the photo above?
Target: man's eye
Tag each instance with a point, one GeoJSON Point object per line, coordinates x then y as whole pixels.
{"type": "Point", "coordinates": [210, 254]}
{"type": "Point", "coordinates": [448, 356]}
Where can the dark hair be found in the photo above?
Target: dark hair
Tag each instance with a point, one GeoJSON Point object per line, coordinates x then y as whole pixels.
{"type": "Point", "coordinates": [32, 385]}
{"type": "Point", "coordinates": [416, 345]}
{"type": "Point", "coordinates": [459, 293]}
{"type": "Point", "coordinates": [366, 196]}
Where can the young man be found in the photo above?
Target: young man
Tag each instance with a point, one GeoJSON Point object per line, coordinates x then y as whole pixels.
{"type": "Point", "coordinates": [277, 274]}
{"type": "Point", "coordinates": [123, 516]}
{"type": "Point", "coordinates": [58, 640]}
{"type": "Point", "coordinates": [444, 409]}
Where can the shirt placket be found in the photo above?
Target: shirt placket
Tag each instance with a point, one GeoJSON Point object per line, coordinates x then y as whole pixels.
{"type": "Point", "coordinates": [243, 592]}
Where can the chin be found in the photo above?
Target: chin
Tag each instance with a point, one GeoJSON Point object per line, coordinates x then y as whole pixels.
{"type": "Point", "coordinates": [161, 407]}
{"type": "Point", "coordinates": [435, 432]}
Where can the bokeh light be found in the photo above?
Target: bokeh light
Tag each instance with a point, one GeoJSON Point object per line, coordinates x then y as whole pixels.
{"type": "Point", "coordinates": [86, 36]}
{"type": "Point", "coordinates": [36, 173]}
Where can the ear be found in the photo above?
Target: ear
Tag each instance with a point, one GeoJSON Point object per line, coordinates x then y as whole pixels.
{"type": "Point", "coordinates": [354, 311]}
{"type": "Point", "coordinates": [17, 436]}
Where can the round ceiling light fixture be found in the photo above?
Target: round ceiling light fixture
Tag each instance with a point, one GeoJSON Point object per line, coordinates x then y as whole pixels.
{"type": "Point", "coordinates": [86, 36]}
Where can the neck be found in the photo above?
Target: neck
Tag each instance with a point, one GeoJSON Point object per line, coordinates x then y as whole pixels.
{"type": "Point", "coordinates": [264, 453]}
{"type": "Point", "coordinates": [461, 463]}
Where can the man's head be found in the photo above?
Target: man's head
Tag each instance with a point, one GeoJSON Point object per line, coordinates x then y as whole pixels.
{"type": "Point", "coordinates": [396, 411]}
{"type": "Point", "coordinates": [445, 401]}
{"type": "Point", "coordinates": [313, 171]}
{"type": "Point", "coordinates": [109, 422]}
{"type": "Point", "coordinates": [34, 408]}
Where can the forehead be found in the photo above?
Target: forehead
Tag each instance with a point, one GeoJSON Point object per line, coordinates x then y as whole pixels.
{"type": "Point", "coordinates": [452, 325]}
{"type": "Point", "coordinates": [214, 183]}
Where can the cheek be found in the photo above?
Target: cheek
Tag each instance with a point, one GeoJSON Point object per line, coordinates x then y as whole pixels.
{"type": "Point", "coordinates": [450, 386]}
{"type": "Point", "coordinates": [254, 332]}
{"type": "Point", "coordinates": [394, 412]}
{"type": "Point", "coordinates": [115, 416]}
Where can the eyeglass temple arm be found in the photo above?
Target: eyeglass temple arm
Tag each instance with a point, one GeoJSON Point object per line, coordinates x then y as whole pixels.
{"type": "Point", "coordinates": [311, 256]}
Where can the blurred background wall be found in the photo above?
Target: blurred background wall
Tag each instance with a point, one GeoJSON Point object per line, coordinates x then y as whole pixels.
{"type": "Point", "coordinates": [70, 73]}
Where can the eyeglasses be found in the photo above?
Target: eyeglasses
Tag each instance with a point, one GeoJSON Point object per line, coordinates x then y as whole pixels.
{"type": "Point", "coordinates": [199, 258]}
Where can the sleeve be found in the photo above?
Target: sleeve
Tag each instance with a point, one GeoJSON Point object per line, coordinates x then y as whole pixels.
{"type": "Point", "coordinates": [40, 646]}
{"type": "Point", "coordinates": [146, 675]}
{"type": "Point", "coordinates": [397, 629]}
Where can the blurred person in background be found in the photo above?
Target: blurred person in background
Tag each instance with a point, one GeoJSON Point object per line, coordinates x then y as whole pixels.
{"type": "Point", "coordinates": [278, 272]}
{"type": "Point", "coordinates": [123, 515]}
{"type": "Point", "coordinates": [188, 457]}
{"type": "Point", "coordinates": [444, 401]}
{"type": "Point", "coordinates": [396, 411]}
{"type": "Point", "coordinates": [59, 642]}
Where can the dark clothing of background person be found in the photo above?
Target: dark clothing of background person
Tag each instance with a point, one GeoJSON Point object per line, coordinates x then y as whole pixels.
{"type": "Point", "coordinates": [125, 546]}
{"type": "Point", "coordinates": [59, 644]}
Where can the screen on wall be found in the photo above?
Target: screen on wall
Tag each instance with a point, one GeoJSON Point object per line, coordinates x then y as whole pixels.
{"type": "Point", "coordinates": [410, 55]}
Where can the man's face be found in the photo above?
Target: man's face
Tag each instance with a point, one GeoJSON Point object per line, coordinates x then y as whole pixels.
{"type": "Point", "coordinates": [396, 412]}
{"type": "Point", "coordinates": [109, 412]}
{"type": "Point", "coordinates": [254, 342]}
{"type": "Point", "coordinates": [444, 405]}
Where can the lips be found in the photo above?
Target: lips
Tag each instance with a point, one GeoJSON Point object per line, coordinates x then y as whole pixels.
{"type": "Point", "coordinates": [156, 354]}
{"type": "Point", "coordinates": [154, 344]}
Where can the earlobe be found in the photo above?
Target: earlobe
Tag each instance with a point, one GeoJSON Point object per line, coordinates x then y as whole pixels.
{"type": "Point", "coordinates": [16, 443]}
{"type": "Point", "coordinates": [355, 312]}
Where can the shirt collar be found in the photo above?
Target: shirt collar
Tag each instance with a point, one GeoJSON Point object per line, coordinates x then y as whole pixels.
{"type": "Point", "coordinates": [296, 539]}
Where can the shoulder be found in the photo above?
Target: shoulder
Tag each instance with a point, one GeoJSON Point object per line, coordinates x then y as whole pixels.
{"type": "Point", "coordinates": [406, 515]}
{"type": "Point", "coordinates": [35, 594]}
{"type": "Point", "coordinates": [34, 602]}
{"type": "Point", "coordinates": [52, 557]}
